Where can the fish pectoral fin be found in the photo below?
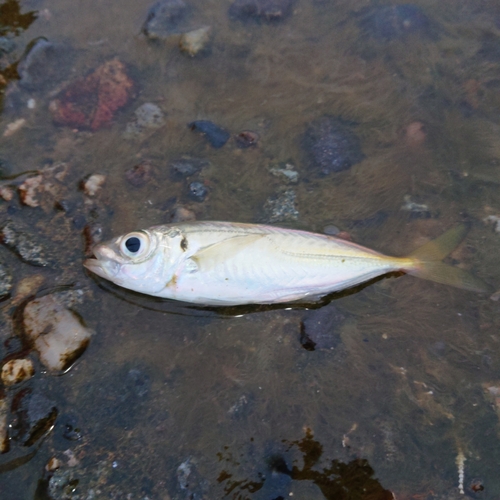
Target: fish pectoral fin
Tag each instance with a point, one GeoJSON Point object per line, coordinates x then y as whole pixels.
{"type": "Point", "coordinates": [223, 249]}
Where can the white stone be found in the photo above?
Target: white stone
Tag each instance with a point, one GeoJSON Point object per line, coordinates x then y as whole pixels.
{"type": "Point", "coordinates": [17, 370]}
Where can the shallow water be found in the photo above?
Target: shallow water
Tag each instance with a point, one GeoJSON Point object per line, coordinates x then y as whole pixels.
{"type": "Point", "coordinates": [178, 402]}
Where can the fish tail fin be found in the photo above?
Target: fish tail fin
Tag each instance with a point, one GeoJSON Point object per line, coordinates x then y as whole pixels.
{"type": "Point", "coordinates": [425, 262]}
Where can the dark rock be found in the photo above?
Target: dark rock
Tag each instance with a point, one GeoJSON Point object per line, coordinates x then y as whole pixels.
{"type": "Point", "coordinates": [215, 135]}
{"type": "Point", "coordinates": [34, 416]}
{"type": "Point", "coordinates": [5, 168]}
{"type": "Point", "coordinates": [44, 65]}
{"type": "Point", "coordinates": [165, 18]}
{"type": "Point", "coordinates": [246, 139]}
{"type": "Point", "coordinates": [7, 45]}
{"type": "Point", "coordinates": [197, 191]}
{"type": "Point", "coordinates": [319, 328]}
{"type": "Point", "coordinates": [331, 146]}
{"type": "Point", "coordinates": [5, 280]}
{"type": "Point", "coordinates": [25, 244]}
{"type": "Point", "coordinates": [70, 429]}
{"type": "Point", "coordinates": [260, 10]}
{"type": "Point", "coordinates": [185, 167]}
{"type": "Point", "coordinates": [394, 22]}
{"type": "Point", "coordinates": [139, 175]}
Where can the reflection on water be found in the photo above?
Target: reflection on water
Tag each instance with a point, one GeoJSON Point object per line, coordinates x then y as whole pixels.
{"type": "Point", "coordinates": [376, 121]}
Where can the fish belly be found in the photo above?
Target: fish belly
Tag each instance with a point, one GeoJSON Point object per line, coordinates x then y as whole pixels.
{"type": "Point", "coordinates": [279, 266]}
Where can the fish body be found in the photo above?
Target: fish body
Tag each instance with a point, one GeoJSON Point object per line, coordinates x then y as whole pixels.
{"type": "Point", "coordinates": [223, 263]}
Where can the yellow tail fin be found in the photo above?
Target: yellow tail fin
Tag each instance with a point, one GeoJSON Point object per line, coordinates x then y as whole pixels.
{"type": "Point", "coordinates": [427, 262]}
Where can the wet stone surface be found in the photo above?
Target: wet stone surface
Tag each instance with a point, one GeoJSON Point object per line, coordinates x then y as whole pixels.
{"type": "Point", "coordinates": [395, 22]}
{"type": "Point", "coordinates": [140, 174]}
{"type": "Point", "coordinates": [165, 18]}
{"type": "Point", "coordinates": [33, 415]}
{"type": "Point", "coordinates": [319, 328]}
{"type": "Point", "coordinates": [331, 146]}
{"type": "Point", "coordinates": [28, 246]}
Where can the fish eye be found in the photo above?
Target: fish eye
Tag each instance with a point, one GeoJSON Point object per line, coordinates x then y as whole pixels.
{"type": "Point", "coordinates": [134, 244]}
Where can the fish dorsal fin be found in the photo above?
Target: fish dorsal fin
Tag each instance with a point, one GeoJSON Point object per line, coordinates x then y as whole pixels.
{"type": "Point", "coordinates": [223, 250]}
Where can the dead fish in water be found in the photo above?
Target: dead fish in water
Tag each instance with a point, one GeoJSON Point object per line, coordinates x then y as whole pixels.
{"type": "Point", "coordinates": [224, 263]}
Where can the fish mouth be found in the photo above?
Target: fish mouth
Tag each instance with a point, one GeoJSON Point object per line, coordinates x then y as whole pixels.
{"type": "Point", "coordinates": [95, 266]}
{"type": "Point", "coordinates": [107, 269]}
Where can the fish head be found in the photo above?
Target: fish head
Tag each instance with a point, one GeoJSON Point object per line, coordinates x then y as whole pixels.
{"type": "Point", "coordinates": [141, 261]}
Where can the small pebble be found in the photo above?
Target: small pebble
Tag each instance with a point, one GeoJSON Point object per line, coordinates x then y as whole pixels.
{"type": "Point", "coordinates": [93, 184]}
{"type": "Point", "coordinates": [281, 208]}
{"type": "Point", "coordinates": [26, 287]}
{"type": "Point", "coordinates": [14, 126]}
{"type": "Point", "coordinates": [215, 135]}
{"type": "Point", "coordinates": [331, 230]}
{"type": "Point", "coordinates": [17, 370]}
{"type": "Point", "coordinates": [56, 332]}
{"type": "Point", "coordinates": [182, 214]}
{"type": "Point", "coordinates": [194, 42]}
{"type": "Point", "coordinates": [197, 191]}
{"type": "Point", "coordinates": [139, 175]}
{"type": "Point", "coordinates": [288, 172]}
{"type": "Point", "coordinates": [30, 189]}
{"type": "Point", "coordinates": [246, 139]}
{"type": "Point", "coordinates": [185, 167]}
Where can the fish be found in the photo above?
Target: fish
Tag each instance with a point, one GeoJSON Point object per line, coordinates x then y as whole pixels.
{"type": "Point", "coordinates": [227, 264]}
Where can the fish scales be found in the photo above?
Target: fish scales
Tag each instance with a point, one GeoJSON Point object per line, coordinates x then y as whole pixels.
{"type": "Point", "coordinates": [223, 263]}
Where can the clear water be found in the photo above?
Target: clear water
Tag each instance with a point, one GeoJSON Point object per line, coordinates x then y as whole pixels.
{"type": "Point", "coordinates": [230, 396]}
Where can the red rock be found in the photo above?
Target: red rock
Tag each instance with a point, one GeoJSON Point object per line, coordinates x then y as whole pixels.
{"type": "Point", "coordinates": [91, 102]}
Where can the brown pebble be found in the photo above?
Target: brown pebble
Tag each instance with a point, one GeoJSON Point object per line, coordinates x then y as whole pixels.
{"type": "Point", "coordinates": [247, 139]}
{"type": "Point", "coordinates": [139, 175]}
{"type": "Point", "coordinates": [344, 235]}
{"type": "Point", "coordinates": [415, 134]}
{"type": "Point", "coordinates": [182, 214]}
{"type": "Point", "coordinates": [17, 370]}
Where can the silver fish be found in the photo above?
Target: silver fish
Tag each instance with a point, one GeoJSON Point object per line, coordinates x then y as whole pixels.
{"type": "Point", "coordinates": [224, 263]}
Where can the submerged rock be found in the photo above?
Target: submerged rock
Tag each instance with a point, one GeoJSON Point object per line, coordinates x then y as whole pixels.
{"type": "Point", "coordinates": [215, 135]}
{"type": "Point", "coordinates": [331, 145]}
{"type": "Point", "coordinates": [281, 207]}
{"type": "Point", "coordinates": [198, 191]}
{"type": "Point", "coordinates": [22, 241]}
{"type": "Point", "coordinates": [34, 416]}
{"type": "Point", "coordinates": [92, 102]}
{"type": "Point", "coordinates": [140, 174]}
{"type": "Point", "coordinates": [55, 332]}
{"type": "Point", "coordinates": [165, 18]}
{"type": "Point", "coordinates": [260, 10]}
{"type": "Point", "coordinates": [319, 328]}
{"type": "Point", "coordinates": [185, 167]}
{"type": "Point", "coordinates": [148, 116]}
{"type": "Point", "coordinates": [394, 22]}
{"type": "Point", "coordinates": [246, 139]}
{"type": "Point", "coordinates": [44, 65]}
{"type": "Point", "coordinates": [195, 42]}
